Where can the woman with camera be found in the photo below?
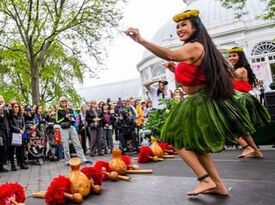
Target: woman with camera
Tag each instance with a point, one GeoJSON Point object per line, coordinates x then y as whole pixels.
{"type": "Point", "coordinates": [65, 119]}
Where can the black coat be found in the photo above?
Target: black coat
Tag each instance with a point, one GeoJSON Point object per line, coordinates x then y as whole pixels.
{"type": "Point", "coordinates": [90, 115]}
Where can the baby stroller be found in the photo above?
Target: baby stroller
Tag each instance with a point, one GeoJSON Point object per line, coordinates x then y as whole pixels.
{"type": "Point", "coordinates": [35, 147]}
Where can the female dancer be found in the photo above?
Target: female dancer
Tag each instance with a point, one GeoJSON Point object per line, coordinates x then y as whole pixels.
{"type": "Point", "coordinates": [197, 126]}
{"type": "Point", "coordinates": [244, 79]}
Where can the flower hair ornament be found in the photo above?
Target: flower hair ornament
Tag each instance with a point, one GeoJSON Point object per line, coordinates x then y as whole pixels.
{"type": "Point", "coordinates": [235, 50]}
{"type": "Point", "coordinates": [185, 15]}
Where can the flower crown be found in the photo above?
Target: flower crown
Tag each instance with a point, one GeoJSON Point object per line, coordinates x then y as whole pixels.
{"type": "Point", "coordinates": [185, 15]}
{"type": "Point", "coordinates": [235, 50]}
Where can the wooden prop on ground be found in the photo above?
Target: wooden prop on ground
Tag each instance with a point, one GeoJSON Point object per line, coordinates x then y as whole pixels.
{"type": "Point", "coordinates": [12, 194]}
{"type": "Point", "coordinates": [95, 176]}
{"type": "Point", "coordinates": [74, 187]}
{"type": "Point", "coordinates": [168, 149]}
{"type": "Point", "coordinates": [117, 164]}
{"type": "Point", "coordinates": [145, 155]}
{"type": "Point", "coordinates": [134, 168]}
{"type": "Point", "coordinates": [58, 192]}
{"type": "Point", "coordinates": [107, 173]}
{"type": "Point", "coordinates": [158, 150]}
{"type": "Point", "coordinates": [80, 183]}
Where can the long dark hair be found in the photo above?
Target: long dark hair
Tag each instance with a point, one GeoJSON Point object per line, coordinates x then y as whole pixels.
{"type": "Point", "coordinates": [243, 62]}
{"type": "Point", "coordinates": [217, 70]}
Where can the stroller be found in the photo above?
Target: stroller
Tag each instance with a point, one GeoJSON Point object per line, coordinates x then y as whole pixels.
{"type": "Point", "coordinates": [35, 147]}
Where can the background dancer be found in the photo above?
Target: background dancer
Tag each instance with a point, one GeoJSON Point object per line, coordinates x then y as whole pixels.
{"type": "Point", "coordinates": [244, 80]}
{"type": "Point", "coordinates": [198, 125]}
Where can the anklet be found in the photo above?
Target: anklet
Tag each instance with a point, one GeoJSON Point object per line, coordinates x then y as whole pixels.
{"type": "Point", "coordinates": [203, 177]}
{"type": "Point", "coordinates": [245, 146]}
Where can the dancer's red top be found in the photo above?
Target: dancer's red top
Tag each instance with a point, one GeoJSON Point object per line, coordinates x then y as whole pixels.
{"type": "Point", "coordinates": [242, 86]}
{"type": "Point", "coordinates": [186, 75]}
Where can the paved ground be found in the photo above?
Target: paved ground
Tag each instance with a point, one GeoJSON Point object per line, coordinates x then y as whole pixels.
{"type": "Point", "coordinates": [252, 182]}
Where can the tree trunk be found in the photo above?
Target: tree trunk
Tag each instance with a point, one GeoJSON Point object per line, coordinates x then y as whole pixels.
{"type": "Point", "coordinates": [35, 83]}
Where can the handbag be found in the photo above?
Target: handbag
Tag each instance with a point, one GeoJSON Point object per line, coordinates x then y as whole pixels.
{"type": "Point", "coordinates": [16, 139]}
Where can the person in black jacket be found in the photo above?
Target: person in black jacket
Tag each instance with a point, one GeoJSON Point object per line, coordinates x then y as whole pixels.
{"type": "Point", "coordinates": [4, 132]}
{"type": "Point", "coordinates": [17, 126]}
{"type": "Point", "coordinates": [94, 117]}
{"type": "Point", "coordinates": [126, 132]}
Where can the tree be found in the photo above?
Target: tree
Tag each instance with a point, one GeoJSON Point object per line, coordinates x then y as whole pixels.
{"type": "Point", "coordinates": [238, 6]}
{"type": "Point", "coordinates": [78, 25]}
{"type": "Point", "coordinates": [58, 73]}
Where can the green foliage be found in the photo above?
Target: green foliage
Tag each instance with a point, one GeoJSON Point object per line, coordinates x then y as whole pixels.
{"type": "Point", "coordinates": [57, 74]}
{"type": "Point", "coordinates": [238, 7]}
{"type": "Point", "coordinates": [157, 118]}
{"type": "Point", "coordinates": [33, 28]}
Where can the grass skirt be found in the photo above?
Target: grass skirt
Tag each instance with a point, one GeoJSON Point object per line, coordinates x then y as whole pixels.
{"type": "Point", "coordinates": [258, 114]}
{"type": "Point", "coordinates": [201, 124]}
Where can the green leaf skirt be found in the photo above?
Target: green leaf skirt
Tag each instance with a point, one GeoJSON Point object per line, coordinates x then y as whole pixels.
{"type": "Point", "coordinates": [258, 114]}
{"type": "Point", "coordinates": [201, 124]}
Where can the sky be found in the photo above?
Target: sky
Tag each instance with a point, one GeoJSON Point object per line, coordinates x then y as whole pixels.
{"type": "Point", "coordinates": [124, 54]}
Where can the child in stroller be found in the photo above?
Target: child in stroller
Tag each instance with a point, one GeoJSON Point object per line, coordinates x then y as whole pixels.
{"type": "Point", "coordinates": [53, 134]}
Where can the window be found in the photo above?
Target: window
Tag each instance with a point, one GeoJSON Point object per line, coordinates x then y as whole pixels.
{"type": "Point", "coordinates": [157, 69]}
{"type": "Point", "coordinates": [263, 47]}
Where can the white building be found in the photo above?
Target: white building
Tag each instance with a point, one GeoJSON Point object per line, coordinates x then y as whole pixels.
{"type": "Point", "coordinates": [122, 89]}
{"type": "Point", "coordinates": [254, 34]}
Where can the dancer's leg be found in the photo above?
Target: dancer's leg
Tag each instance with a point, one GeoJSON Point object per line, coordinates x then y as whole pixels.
{"type": "Point", "coordinates": [193, 162]}
{"type": "Point", "coordinates": [257, 153]}
{"type": "Point", "coordinates": [246, 148]}
{"type": "Point", "coordinates": [208, 163]}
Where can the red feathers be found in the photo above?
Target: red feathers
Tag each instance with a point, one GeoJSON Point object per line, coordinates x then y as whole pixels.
{"type": "Point", "coordinates": [144, 154]}
{"type": "Point", "coordinates": [103, 166]}
{"type": "Point", "coordinates": [167, 148]}
{"type": "Point", "coordinates": [12, 190]}
{"type": "Point", "coordinates": [164, 146]}
{"type": "Point", "coordinates": [93, 173]}
{"type": "Point", "coordinates": [56, 190]}
{"type": "Point", "coordinates": [127, 160]}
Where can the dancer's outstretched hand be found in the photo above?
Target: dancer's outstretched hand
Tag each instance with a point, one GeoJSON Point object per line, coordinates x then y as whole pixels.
{"type": "Point", "coordinates": [134, 34]}
{"type": "Point", "coordinates": [170, 65]}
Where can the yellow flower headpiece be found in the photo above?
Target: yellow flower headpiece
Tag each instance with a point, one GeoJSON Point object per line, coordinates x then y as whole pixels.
{"type": "Point", "coordinates": [235, 50]}
{"type": "Point", "coordinates": [185, 15]}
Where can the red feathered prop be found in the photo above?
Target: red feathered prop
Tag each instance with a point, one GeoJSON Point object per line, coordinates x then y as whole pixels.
{"type": "Point", "coordinates": [55, 194]}
{"type": "Point", "coordinates": [127, 160]}
{"type": "Point", "coordinates": [144, 154]}
{"type": "Point", "coordinates": [104, 167]}
{"type": "Point", "coordinates": [94, 174]}
{"type": "Point", "coordinates": [11, 191]}
{"type": "Point", "coordinates": [164, 146]}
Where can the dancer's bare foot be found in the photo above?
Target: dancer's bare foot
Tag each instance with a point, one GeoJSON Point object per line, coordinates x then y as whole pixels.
{"type": "Point", "coordinates": [219, 190]}
{"type": "Point", "coordinates": [246, 151]}
{"type": "Point", "coordinates": [256, 154]}
{"type": "Point", "coordinates": [205, 184]}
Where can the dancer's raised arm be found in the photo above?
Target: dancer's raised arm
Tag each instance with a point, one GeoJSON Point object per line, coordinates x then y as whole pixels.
{"type": "Point", "coordinates": [186, 52]}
